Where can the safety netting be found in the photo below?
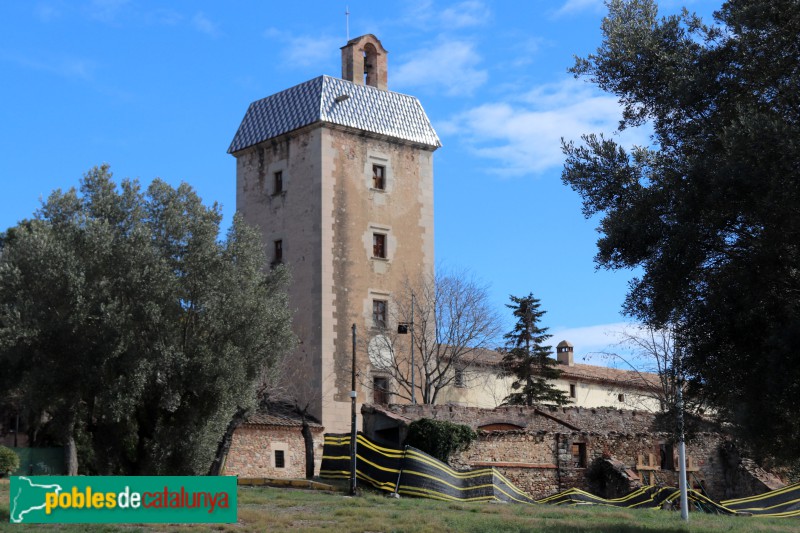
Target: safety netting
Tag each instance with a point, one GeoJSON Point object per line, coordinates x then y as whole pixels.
{"type": "Point", "coordinates": [412, 472]}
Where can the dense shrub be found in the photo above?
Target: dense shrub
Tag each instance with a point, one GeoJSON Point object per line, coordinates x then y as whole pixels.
{"type": "Point", "coordinates": [438, 438]}
{"type": "Point", "coordinates": [9, 461]}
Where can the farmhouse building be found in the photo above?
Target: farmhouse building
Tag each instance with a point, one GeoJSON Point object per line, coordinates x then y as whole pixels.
{"type": "Point", "coordinates": [483, 384]}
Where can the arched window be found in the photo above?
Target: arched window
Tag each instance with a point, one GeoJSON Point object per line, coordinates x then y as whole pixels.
{"type": "Point", "coordinates": [370, 65]}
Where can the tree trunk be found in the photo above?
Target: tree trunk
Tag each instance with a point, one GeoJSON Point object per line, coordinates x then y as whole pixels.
{"type": "Point", "coordinates": [70, 448]}
{"type": "Point", "coordinates": [224, 445]}
{"type": "Point", "coordinates": [308, 439]}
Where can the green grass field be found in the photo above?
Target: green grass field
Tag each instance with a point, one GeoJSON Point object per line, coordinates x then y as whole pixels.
{"type": "Point", "coordinates": [272, 509]}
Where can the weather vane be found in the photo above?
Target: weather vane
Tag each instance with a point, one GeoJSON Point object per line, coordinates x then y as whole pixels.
{"type": "Point", "coordinates": [347, 21]}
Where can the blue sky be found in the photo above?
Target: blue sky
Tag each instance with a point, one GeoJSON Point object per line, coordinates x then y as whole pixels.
{"type": "Point", "coordinates": [157, 89]}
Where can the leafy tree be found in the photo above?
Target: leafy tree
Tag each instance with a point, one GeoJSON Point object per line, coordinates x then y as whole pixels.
{"type": "Point", "coordinates": [527, 358]}
{"type": "Point", "coordinates": [453, 325]}
{"type": "Point", "coordinates": [9, 461]}
{"type": "Point", "coordinates": [710, 211]}
{"type": "Point", "coordinates": [139, 333]}
{"type": "Point", "coordinates": [439, 438]}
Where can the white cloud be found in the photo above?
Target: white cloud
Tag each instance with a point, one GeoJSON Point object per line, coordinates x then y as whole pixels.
{"type": "Point", "coordinates": [68, 67]}
{"type": "Point", "coordinates": [106, 10]}
{"type": "Point", "coordinates": [523, 135]}
{"type": "Point", "coordinates": [604, 345]}
{"type": "Point", "coordinates": [47, 12]}
{"type": "Point", "coordinates": [465, 14]}
{"type": "Point", "coordinates": [204, 25]}
{"type": "Point", "coordinates": [576, 6]}
{"type": "Point", "coordinates": [305, 50]}
{"type": "Point", "coordinates": [589, 339]}
{"type": "Point", "coordinates": [450, 67]}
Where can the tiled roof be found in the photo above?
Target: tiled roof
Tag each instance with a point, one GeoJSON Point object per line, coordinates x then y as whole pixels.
{"type": "Point", "coordinates": [366, 108]}
{"type": "Point", "coordinates": [581, 372]}
{"type": "Point", "coordinates": [610, 375]}
{"type": "Point", "coordinates": [278, 419]}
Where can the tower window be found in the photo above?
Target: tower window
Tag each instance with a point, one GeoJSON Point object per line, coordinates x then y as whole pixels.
{"type": "Point", "coordinates": [379, 313]}
{"type": "Point", "coordinates": [277, 182]}
{"type": "Point", "coordinates": [280, 459]}
{"type": "Point", "coordinates": [380, 390]}
{"type": "Point", "coordinates": [379, 177]}
{"type": "Point", "coordinates": [379, 245]}
{"type": "Point", "coordinates": [277, 255]}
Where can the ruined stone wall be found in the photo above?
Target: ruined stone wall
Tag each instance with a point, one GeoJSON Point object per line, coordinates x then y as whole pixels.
{"type": "Point", "coordinates": [556, 447]}
{"type": "Point", "coordinates": [542, 462]}
{"type": "Point", "coordinates": [252, 452]}
{"type": "Point", "coordinates": [598, 419]}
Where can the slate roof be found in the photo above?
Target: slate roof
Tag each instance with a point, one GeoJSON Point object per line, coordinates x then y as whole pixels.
{"type": "Point", "coordinates": [367, 108]}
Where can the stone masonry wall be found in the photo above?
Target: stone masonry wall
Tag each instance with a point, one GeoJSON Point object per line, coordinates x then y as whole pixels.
{"type": "Point", "coordinates": [557, 447]}
{"type": "Point", "coordinates": [252, 452]}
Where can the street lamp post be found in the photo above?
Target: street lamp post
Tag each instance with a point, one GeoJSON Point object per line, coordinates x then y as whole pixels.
{"type": "Point", "coordinates": [353, 435]}
{"type": "Point", "coordinates": [413, 367]}
{"type": "Point", "coordinates": [681, 442]}
{"type": "Point", "coordinates": [402, 329]}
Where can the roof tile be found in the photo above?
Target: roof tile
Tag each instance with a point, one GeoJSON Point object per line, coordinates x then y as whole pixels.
{"type": "Point", "coordinates": [366, 108]}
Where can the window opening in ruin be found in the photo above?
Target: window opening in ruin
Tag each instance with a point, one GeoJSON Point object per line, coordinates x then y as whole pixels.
{"type": "Point", "coordinates": [280, 460]}
{"type": "Point", "coordinates": [379, 177]}
{"type": "Point", "coordinates": [667, 455]}
{"type": "Point", "coordinates": [277, 182]}
{"type": "Point", "coordinates": [379, 245]}
{"type": "Point", "coordinates": [379, 313]}
{"type": "Point", "coordinates": [380, 390]}
{"type": "Point", "coordinates": [459, 378]}
{"type": "Point", "coordinates": [620, 397]}
{"type": "Point", "coordinates": [579, 454]}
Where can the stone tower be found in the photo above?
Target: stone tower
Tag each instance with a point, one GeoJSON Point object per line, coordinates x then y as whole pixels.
{"type": "Point", "coordinates": [338, 176]}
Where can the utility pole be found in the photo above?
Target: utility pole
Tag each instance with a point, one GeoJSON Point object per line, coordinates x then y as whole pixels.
{"type": "Point", "coordinates": [413, 366]}
{"type": "Point", "coordinates": [681, 442]}
{"type": "Point", "coordinates": [353, 434]}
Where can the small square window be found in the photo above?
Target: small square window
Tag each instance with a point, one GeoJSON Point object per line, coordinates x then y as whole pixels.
{"type": "Point", "coordinates": [277, 182]}
{"type": "Point", "coordinates": [280, 459]}
{"type": "Point", "coordinates": [379, 313]}
{"type": "Point", "coordinates": [620, 397]}
{"type": "Point", "coordinates": [277, 255]}
{"type": "Point", "coordinates": [379, 177]}
{"type": "Point", "coordinates": [573, 390]}
{"type": "Point", "coordinates": [379, 245]}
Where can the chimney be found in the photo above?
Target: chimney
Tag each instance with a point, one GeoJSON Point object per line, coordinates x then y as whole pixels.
{"type": "Point", "coordinates": [364, 62]}
{"type": "Point", "coordinates": [564, 353]}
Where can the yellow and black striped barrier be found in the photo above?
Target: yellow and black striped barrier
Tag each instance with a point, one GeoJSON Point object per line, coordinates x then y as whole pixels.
{"type": "Point", "coordinates": [412, 472]}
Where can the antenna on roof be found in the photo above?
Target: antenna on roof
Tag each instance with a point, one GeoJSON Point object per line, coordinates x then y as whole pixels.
{"type": "Point", "coordinates": [347, 21]}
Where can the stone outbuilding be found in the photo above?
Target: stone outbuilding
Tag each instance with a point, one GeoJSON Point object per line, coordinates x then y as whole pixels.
{"type": "Point", "coordinates": [272, 445]}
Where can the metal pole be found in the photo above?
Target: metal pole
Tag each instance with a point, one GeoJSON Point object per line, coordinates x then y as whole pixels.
{"type": "Point", "coordinates": [682, 444]}
{"type": "Point", "coordinates": [413, 366]}
{"type": "Point", "coordinates": [353, 434]}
